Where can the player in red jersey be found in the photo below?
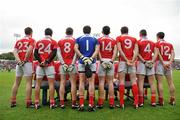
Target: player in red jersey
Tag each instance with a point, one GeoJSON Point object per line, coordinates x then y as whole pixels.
{"type": "Point", "coordinates": [145, 67]}
{"type": "Point", "coordinates": [128, 48]}
{"type": "Point", "coordinates": [45, 51]}
{"type": "Point", "coordinates": [107, 55]}
{"type": "Point", "coordinates": [67, 57]}
{"type": "Point", "coordinates": [24, 57]}
{"type": "Point", "coordinates": [164, 67]}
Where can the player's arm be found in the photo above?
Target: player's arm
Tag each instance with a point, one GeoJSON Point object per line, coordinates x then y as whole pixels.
{"type": "Point", "coordinates": [172, 56]}
{"type": "Point", "coordinates": [76, 49]}
{"type": "Point", "coordinates": [96, 51]}
{"type": "Point", "coordinates": [155, 55]}
{"type": "Point", "coordinates": [29, 51]}
{"type": "Point", "coordinates": [121, 52]}
{"type": "Point", "coordinates": [141, 58]}
{"type": "Point", "coordinates": [114, 53]}
{"type": "Point", "coordinates": [136, 51]}
{"type": "Point", "coordinates": [52, 56]}
{"type": "Point", "coordinates": [36, 55]}
{"type": "Point", "coordinates": [74, 59]}
{"type": "Point", "coordinates": [59, 55]}
{"type": "Point", "coordinates": [15, 52]}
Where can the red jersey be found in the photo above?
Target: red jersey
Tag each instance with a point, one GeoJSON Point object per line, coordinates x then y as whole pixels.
{"type": "Point", "coordinates": [22, 47]}
{"type": "Point", "coordinates": [107, 45]}
{"type": "Point", "coordinates": [165, 49]}
{"type": "Point", "coordinates": [127, 45]}
{"type": "Point", "coordinates": [67, 49]}
{"type": "Point", "coordinates": [146, 48]}
{"type": "Point", "coordinates": [45, 47]}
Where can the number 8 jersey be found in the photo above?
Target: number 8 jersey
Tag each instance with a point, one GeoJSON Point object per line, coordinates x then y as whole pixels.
{"type": "Point", "coordinates": [127, 44]}
{"type": "Point", "coordinates": [67, 49]}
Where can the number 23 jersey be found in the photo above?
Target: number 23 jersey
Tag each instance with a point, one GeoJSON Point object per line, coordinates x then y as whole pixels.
{"type": "Point", "coordinates": [127, 45]}
{"type": "Point", "coordinates": [66, 46]}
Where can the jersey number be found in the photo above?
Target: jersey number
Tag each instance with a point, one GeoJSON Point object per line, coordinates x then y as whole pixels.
{"type": "Point", "coordinates": [108, 47]}
{"type": "Point", "coordinates": [165, 50]}
{"type": "Point", "coordinates": [87, 45]}
{"type": "Point", "coordinates": [128, 43]}
{"type": "Point", "coordinates": [23, 44]}
{"type": "Point", "coordinates": [67, 48]}
{"type": "Point", "coordinates": [147, 48]}
{"type": "Point", "coordinates": [43, 49]}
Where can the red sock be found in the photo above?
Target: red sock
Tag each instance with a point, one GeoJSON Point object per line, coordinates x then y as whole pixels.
{"type": "Point", "coordinates": [61, 102]}
{"type": "Point", "coordinates": [111, 100]}
{"type": "Point", "coordinates": [13, 100]}
{"type": "Point", "coordinates": [135, 93]}
{"type": "Point", "coordinates": [141, 99]}
{"type": "Point", "coordinates": [36, 101]}
{"type": "Point", "coordinates": [100, 101]}
{"type": "Point", "coordinates": [161, 100]}
{"type": "Point", "coordinates": [153, 97]}
{"type": "Point", "coordinates": [28, 102]}
{"type": "Point", "coordinates": [52, 102]}
{"type": "Point", "coordinates": [81, 100]}
{"type": "Point", "coordinates": [91, 100]}
{"type": "Point", "coordinates": [121, 94]}
{"type": "Point", "coordinates": [73, 102]}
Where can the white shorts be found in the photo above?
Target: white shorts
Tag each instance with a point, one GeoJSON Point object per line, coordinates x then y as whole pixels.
{"type": "Point", "coordinates": [103, 72]}
{"type": "Point", "coordinates": [48, 71]}
{"type": "Point", "coordinates": [123, 67]}
{"type": "Point", "coordinates": [143, 70]}
{"type": "Point", "coordinates": [63, 72]}
{"type": "Point", "coordinates": [81, 67]}
{"type": "Point", "coordinates": [25, 70]}
{"type": "Point", "coordinates": [160, 69]}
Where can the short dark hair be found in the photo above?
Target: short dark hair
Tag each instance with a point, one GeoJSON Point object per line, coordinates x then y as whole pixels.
{"type": "Point", "coordinates": [106, 30]}
{"type": "Point", "coordinates": [87, 29]}
{"type": "Point", "coordinates": [28, 31]}
{"type": "Point", "coordinates": [160, 35]}
{"type": "Point", "coordinates": [48, 31]}
{"type": "Point", "coordinates": [143, 32]}
{"type": "Point", "coordinates": [69, 31]}
{"type": "Point", "coordinates": [124, 30]}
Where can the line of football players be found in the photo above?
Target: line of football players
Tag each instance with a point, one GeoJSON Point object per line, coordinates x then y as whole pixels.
{"type": "Point", "coordinates": [137, 58]}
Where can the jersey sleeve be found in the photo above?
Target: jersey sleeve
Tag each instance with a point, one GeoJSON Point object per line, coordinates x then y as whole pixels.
{"type": "Point", "coordinates": [36, 45]}
{"type": "Point", "coordinates": [55, 45]}
{"type": "Point", "coordinates": [77, 40]}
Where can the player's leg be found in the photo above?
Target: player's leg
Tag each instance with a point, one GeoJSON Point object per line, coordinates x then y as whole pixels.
{"type": "Point", "coordinates": [62, 89]}
{"type": "Point", "coordinates": [111, 90]}
{"type": "Point", "coordinates": [19, 74]}
{"type": "Point", "coordinates": [37, 91]}
{"type": "Point", "coordinates": [159, 79]}
{"type": "Point", "coordinates": [171, 88]}
{"type": "Point", "coordinates": [153, 90]}
{"type": "Point", "coordinates": [27, 68]}
{"type": "Point", "coordinates": [141, 88]}
{"type": "Point", "coordinates": [73, 89]}
{"type": "Point", "coordinates": [91, 90]}
{"type": "Point", "coordinates": [81, 89]}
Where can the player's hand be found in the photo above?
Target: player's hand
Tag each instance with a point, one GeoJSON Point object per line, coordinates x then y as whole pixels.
{"type": "Point", "coordinates": [130, 63]}
{"type": "Point", "coordinates": [42, 64]}
{"type": "Point", "coordinates": [149, 64]}
{"type": "Point", "coordinates": [84, 59]}
{"type": "Point", "coordinates": [104, 64]}
{"type": "Point", "coordinates": [88, 61]}
{"type": "Point", "coordinates": [65, 67]}
{"type": "Point", "coordinates": [71, 67]}
{"type": "Point", "coordinates": [167, 66]}
{"type": "Point", "coordinates": [109, 64]}
{"type": "Point", "coordinates": [20, 63]}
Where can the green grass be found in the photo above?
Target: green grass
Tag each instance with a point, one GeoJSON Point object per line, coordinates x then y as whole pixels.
{"type": "Point", "coordinates": [167, 112]}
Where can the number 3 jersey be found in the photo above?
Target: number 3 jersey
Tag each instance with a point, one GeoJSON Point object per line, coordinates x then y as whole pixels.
{"type": "Point", "coordinates": [22, 46]}
{"type": "Point", "coordinates": [45, 47]}
{"type": "Point", "coordinates": [146, 48]}
{"type": "Point", "coordinates": [87, 45]}
{"type": "Point", "coordinates": [67, 49]}
{"type": "Point", "coordinates": [107, 45]}
{"type": "Point", "coordinates": [127, 44]}
{"type": "Point", "coordinates": [165, 49]}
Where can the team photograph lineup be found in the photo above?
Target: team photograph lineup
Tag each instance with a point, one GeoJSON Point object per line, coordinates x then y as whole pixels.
{"type": "Point", "coordinates": [90, 63]}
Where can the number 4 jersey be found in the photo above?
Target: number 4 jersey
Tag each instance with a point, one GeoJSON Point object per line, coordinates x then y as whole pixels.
{"type": "Point", "coordinates": [67, 49]}
{"type": "Point", "coordinates": [146, 48]}
{"type": "Point", "coordinates": [127, 45]}
{"type": "Point", "coordinates": [45, 47]}
{"type": "Point", "coordinates": [107, 45]}
{"type": "Point", "coordinates": [22, 45]}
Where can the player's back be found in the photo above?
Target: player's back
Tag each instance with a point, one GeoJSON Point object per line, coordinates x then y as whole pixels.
{"type": "Point", "coordinates": [165, 49]}
{"type": "Point", "coordinates": [67, 49]}
{"type": "Point", "coordinates": [87, 44]}
{"type": "Point", "coordinates": [22, 47]}
{"type": "Point", "coordinates": [107, 45]}
{"type": "Point", "coordinates": [127, 45]}
{"type": "Point", "coordinates": [146, 48]}
{"type": "Point", "coordinates": [45, 47]}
